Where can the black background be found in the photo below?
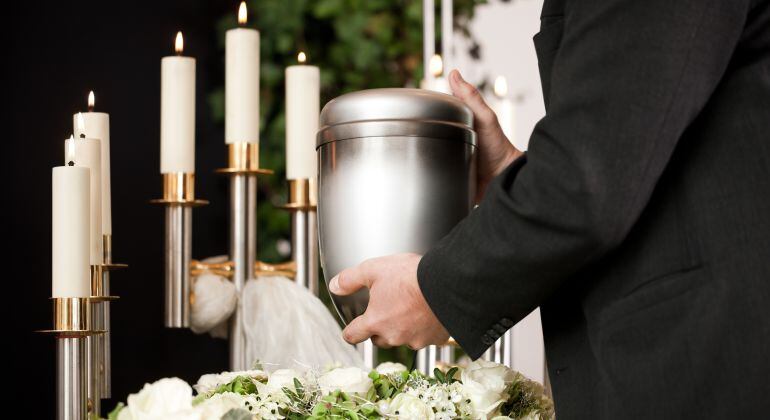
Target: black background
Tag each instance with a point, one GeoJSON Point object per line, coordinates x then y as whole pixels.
{"type": "Point", "coordinates": [53, 54]}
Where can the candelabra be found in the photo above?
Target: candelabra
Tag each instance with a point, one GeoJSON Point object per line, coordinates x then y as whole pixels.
{"type": "Point", "coordinates": [178, 198]}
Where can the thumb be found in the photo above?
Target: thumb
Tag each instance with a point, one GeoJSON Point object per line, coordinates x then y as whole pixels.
{"type": "Point", "coordinates": [351, 280]}
{"type": "Point", "coordinates": [466, 92]}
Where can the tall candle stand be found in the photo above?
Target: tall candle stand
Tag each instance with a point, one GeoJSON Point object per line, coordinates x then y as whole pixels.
{"type": "Point", "coordinates": [105, 348]}
{"type": "Point", "coordinates": [72, 326]}
{"type": "Point", "coordinates": [95, 344]}
{"type": "Point", "coordinates": [178, 200]}
{"type": "Point", "coordinates": [243, 169]}
{"type": "Point", "coordinates": [304, 231]}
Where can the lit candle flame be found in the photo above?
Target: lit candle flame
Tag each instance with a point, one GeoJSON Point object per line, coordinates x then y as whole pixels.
{"type": "Point", "coordinates": [242, 13]}
{"type": "Point", "coordinates": [81, 125]}
{"type": "Point", "coordinates": [179, 43]}
{"type": "Point", "coordinates": [301, 57]}
{"type": "Point", "coordinates": [436, 65]}
{"type": "Point", "coordinates": [501, 87]}
{"type": "Point", "coordinates": [91, 101]}
{"type": "Point", "coordinates": [69, 151]}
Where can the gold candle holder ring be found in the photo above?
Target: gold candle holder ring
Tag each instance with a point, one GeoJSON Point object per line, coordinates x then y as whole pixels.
{"type": "Point", "coordinates": [179, 189]}
{"type": "Point", "coordinates": [243, 158]}
{"type": "Point", "coordinates": [303, 195]}
{"type": "Point", "coordinates": [226, 269]}
{"type": "Point", "coordinates": [97, 285]}
{"type": "Point", "coordinates": [72, 317]}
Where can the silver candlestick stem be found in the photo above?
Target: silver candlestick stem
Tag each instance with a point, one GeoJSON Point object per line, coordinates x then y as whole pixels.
{"type": "Point", "coordinates": [243, 198]}
{"type": "Point", "coordinates": [304, 231]}
{"type": "Point", "coordinates": [426, 359]}
{"type": "Point", "coordinates": [178, 198]}
{"type": "Point", "coordinates": [72, 327]}
{"type": "Point", "coordinates": [72, 403]}
{"type": "Point", "coordinates": [243, 168]}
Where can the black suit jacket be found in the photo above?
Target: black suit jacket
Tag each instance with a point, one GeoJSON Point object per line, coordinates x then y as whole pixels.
{"type": "Point", "coordinates": [639, 219]}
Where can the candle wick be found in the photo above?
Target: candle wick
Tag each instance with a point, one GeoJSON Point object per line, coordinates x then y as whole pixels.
{"type": "Point", "coordinates": [82, 135]}
{"type": "Point", "coordinates": [90, 108]}
{"type": "Point", "coordinates": [70, 163]}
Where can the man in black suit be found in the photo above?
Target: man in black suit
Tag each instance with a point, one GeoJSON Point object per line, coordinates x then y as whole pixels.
{"type": "Point", "coordinates": [639, 219]}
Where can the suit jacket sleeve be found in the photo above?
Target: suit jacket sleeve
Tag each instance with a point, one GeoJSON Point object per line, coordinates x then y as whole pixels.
{"type": "Point", "coordinates": [628, 79]}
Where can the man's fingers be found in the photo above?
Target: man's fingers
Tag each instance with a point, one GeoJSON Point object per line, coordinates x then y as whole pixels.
{"type": "Point", "coordinates": [357, 331]}
{"type": "Point", "coordinates": [352, 279]}
{"type": "Point", "coordinates": [468, 93]}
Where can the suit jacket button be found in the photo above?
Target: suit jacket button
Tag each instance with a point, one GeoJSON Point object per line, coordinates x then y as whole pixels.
{"type": "Point", "coordinates": [507, 323]}
{"type": "Point", "coordinates": [493, 333]}
{"type": "Point", "coordinates": [500, 329]}
{"type": "Point", "coordinates": [487, 340]}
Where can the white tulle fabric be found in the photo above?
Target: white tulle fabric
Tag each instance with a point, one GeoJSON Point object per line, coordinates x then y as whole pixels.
{"type": "Point", "coordinates": [285, 325]}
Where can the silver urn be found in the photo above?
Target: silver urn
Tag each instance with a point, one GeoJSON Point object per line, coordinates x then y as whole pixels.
{"type": "Point", "coordinates": [397, 171]}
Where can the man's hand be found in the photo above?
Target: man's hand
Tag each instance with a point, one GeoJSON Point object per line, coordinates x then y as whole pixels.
{"type": "Point", "coordinates": [397, 313]}
{"type": "Point", "coordinates": [495, 151]}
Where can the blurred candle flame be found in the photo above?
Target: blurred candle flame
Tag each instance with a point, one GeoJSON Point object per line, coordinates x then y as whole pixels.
{"type": "Point", "coordinates": [81, 125]}
{"type": "Point", "coordinates": [301, 57]}
{"type": "Point", "coordinates": [242, 13]}
{"type": "Point", "coordinates": [501, 87]}
{"type": "Point", "coordinates": [69, 150]}
{"type": "Point", "coordinates": [91, 101]}
{"type": "Point", "coordinates": [179, 43]}
{"type": "Point", "coordinates": [436, 65]}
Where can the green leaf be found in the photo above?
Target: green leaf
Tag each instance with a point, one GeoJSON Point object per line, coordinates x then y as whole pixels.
{"type": "Point", "coordinates": [113, 415]}
{"type": "Point", "coordinates": [238, 414]}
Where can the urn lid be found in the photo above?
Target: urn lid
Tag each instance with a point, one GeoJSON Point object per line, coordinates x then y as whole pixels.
{"type": "Point", "coordinates": [395, 112]}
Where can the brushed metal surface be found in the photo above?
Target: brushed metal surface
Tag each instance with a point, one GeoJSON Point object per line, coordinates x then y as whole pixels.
{"type": "Point", "coordinates": [178, 248]}
{"type": "Point", "coordinates": [71, 386]}
{"type": "Point", "coordinates": [387, 195]}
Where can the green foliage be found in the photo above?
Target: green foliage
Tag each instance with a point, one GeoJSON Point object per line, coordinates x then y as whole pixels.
{"type": "Point", "coordinates": [339, 405]}
{"type": "Point", "coordinates": [357, 44]}
{"type": "Point", "coordinates": [113, 415]}
{"type": "Point", "coordinates": [238, 414]}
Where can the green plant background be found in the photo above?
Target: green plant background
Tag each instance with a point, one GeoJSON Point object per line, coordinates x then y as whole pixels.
{"type": "Point", "coordinates": [357, 44]}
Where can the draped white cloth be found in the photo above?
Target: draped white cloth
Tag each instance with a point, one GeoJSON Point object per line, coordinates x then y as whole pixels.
{"type": "Point", "coordinates": [285, 325]}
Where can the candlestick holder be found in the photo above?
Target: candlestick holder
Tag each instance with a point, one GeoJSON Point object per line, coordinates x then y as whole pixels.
{"type": "Point", "coordinates": [303, 199]}
{"type": "Point", "coordinates": [243, 170]}
{"type": "Point", "coordinates": [71, 327]}
{"type": "Point", "coordinates": [178, 199]}
{"type": "Point", "coordinates": [105, 339]}
{"type": "Point", "coordinates": [96, 344]}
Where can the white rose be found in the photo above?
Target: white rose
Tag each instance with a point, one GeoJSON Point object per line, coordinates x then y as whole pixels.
{"type": "Point", "coordinates": [219, 404]}
{"type": "Point", "coordinates": [350, 380]}
{"type": "Point", "coordinates": [389, 368]}
{"type": "Point", "coordinates": [406, 406]}
{"type": "Point", "coordinates": [211, 381]}
{"type": "Point", "coordinates": [485, 384]}
{"type": "Point", "coordinates": [282, 378]}
{"type": "Point", "coordinates": [168, 398]}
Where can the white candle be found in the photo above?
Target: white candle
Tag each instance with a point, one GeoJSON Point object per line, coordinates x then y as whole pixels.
{"type": "Point", "coordinates": [96, 125]}
{"type": "Point", "coordinates": [447, 31]}
{"type": "Point", "coordinates": [504, 109]}
{"type": "Point", "coordinates": [242, 83]}
{"type": "Point", "coordinates": [87, 153]}
{"type": "Point", "coordinates": [437, 83]}
{"type": "Point", "coordinates": [177, 112]}
{"type": "Point", "coordinates": [70, 275]}
{"type": "Point", "coordinates": [303, 84]}
{"type": "Point", "coordinates": [428, 36]}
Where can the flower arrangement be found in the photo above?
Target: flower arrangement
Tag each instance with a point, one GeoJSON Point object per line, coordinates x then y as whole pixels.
{"type": "Point", "coordinates": [482, 390]}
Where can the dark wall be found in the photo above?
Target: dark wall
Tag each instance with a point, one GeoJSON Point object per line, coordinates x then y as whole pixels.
{"type": "Point", "coordinates": [54, 53]}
